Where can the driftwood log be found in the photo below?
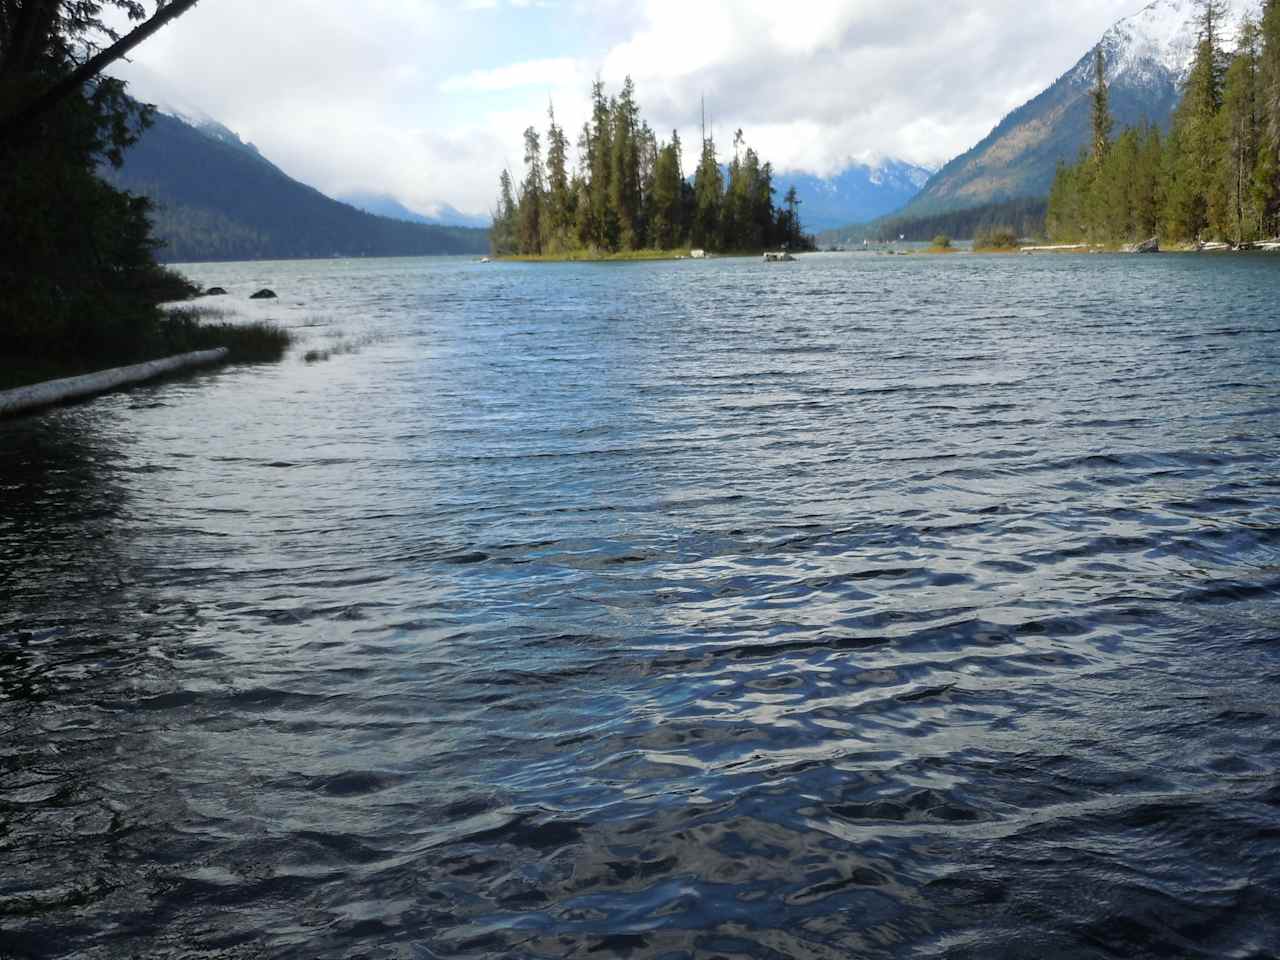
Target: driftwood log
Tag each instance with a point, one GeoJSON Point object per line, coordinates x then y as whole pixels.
{"type": "Point", "coordinates": [38, 395]}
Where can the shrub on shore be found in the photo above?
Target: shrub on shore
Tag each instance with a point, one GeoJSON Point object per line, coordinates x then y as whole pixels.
{"type": "Point", "coordinates": [996, 239]}
{"type": "Point", "coordinates": [157, 334]}
{"type": "Point", "coordinates": [186, 329]}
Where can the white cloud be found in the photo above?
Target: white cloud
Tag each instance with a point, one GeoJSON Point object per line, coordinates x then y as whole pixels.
{"type": "Point", "coordinates": [557, 71]}
{"type": "Point", "coordinates": [427, 99]}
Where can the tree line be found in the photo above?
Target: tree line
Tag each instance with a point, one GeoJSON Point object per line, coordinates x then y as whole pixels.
{"type": "Point", "coordinates": [628, 191]}
{"type": "Point", "coordinates": [1023, 216]}
{"type": "Point", "coordinates": [1215, 175]}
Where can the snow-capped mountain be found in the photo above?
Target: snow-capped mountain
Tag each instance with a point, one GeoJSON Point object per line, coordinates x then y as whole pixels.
{"type": "Point", "coordinates": [861, 192]}
{"type": "Point", "coordinates": [1148, 56]}
{"type": "Point", "coordinates": [1159, 43]}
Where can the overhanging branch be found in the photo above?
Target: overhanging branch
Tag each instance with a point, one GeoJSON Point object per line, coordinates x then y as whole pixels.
{"type": "Point", "coordinates": [14, 125]}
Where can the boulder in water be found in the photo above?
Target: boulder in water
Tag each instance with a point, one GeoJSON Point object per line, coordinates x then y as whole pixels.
{"type": "Point", "coordinates": [215, 292]}
{"type": "Point", "coordinates": [264, 294]}
{"type": "Point", "coordinates": [1147, 246]}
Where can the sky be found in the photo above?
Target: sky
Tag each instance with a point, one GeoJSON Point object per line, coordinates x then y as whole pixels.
{"type": "Point", "coordinates": [427, 100]}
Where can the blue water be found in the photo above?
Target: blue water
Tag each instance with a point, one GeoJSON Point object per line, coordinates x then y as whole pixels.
{"type": "Point", "coordinates": [857, 607]}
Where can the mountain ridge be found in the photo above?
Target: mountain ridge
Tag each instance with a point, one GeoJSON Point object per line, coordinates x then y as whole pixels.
{"type": "Point", "coordinates": [218, 198]}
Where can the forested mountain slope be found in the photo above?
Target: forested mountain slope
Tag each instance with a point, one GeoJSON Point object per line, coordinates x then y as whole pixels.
{"type": "Point", "coordinates": [217, 198]}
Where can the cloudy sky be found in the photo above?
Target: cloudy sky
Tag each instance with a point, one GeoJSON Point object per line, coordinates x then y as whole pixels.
{"type": "Point", "coordinates": [426, 99]}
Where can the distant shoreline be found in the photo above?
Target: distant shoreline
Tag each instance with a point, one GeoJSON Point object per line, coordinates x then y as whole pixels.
{"type": "Point", "coordinates": [319, 259]}
{"type": "Point", "coordinates": [594, 256]}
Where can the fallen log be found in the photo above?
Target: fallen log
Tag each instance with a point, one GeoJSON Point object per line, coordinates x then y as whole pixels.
{"type": "Point", "coordinates": [36, 395]}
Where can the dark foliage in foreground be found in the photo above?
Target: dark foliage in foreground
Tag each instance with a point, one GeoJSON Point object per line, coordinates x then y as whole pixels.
{"type": "Point", "coordinates": [78, 274]}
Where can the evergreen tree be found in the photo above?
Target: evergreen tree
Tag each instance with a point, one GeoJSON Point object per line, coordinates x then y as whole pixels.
{"type": "Point", "coordinates": [736, 200]}
{"type": "Point", "coordinates": [585, 225]}
{"type": "Point", "coordinates": [708, 194]}
{"type": "Point", "coordinates": [792, 235]}
{"type": "Point", "coordinates": [668, 184]}
{"type": "Point", "coordinates": [763, 216]}
{"type": "Point", "coordinates": [1062, 217]}
{"type": "Point", "coordinates": [1238, 214]}
{"type": "Point", "coordinates": [1267, 172]}
{"type": "Point", "coordinates": [559, 197]}
{"type": "Point", "coordinates": [1148, 188]}
{"type": "Point", "coordinates": [647, 145]}
{"type": "Point", "coordinates": [504, 235]}
{"type": "Point", "coordinates": [604, 217]}
{"type": "Point", "coordinates": [1112, 191]}
{"type": "Point", "coordinates": [1102, 122]}
{"type": "Point", "coordinates": [532, 196]}
{"type": "Point", "coordinates": [624, 175]}
{"type": "Point", "coordinates": [1194, 199]}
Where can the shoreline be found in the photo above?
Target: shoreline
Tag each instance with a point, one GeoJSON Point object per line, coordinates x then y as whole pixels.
{"type": "Point", "coordinates": [589, 256]}
{"type": "Point", "coordinates": [631, 256]}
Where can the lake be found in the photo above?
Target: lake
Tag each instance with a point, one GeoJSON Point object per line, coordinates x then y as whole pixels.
{"type": "Point", "coordinates": [864, 606]}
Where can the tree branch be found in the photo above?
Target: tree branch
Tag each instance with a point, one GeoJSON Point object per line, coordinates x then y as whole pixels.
{"type": "Point", "coordinates": [14, 125]}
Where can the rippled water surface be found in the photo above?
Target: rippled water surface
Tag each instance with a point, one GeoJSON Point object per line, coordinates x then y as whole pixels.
{"type": "Point", "coordinates": [857, 607]}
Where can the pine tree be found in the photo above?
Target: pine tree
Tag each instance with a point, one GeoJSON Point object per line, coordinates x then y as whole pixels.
{"type": "Point", "coordinates": [503, 236]}
{"type": "Point", "coordinates": [532, 196]}
{"type": "Point", "coordinates": [624, 176]}
{"type": "Point", "coordinates": [559, 197]}
{"type": "Point", "coordinates": [1193, 195]}
{"type": "Point", "coordinates": [668, 182]}
{"type": "Point", "coordinates": [1059, 220]}
{"type": "Point", "coordinates": [585, 227]}
{"type": "Point", "coordinates": [708, 195]}
{"type": "Point", "coordinates": [1102, 122]}
{"type": "Point", "coordinates": [733, 208]}
{"type": "Point", "coordinates": [647, 148]}
{"type": "Point", "coordinates": [763, 220]}
{"type": "Point", "coordinates": [1267, 173]}
{"type": "Point", "coordinates": [603, 216]}
{"type": "Point", "coordinates": [1148, 194]}
{"type": "Point", "coordinates": [793, 235]}
{"type": "Point", "coordinates": [1113, 191]}
{"type": "Point", "coordinates": [1238, 216]}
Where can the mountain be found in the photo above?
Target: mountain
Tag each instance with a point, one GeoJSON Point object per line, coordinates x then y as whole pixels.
{"type": "Point", "coordinates": [385, 205]}
{"type": "Point", "coordinates": [1147, 56]}
{"type": "Point", "coordinates": [857, 194]}
{"type": "Point", "coordinates": [218, 198]}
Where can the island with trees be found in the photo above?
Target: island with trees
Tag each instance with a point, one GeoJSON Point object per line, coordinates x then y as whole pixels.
{"type": "Point", "coordinates": [627, 196]}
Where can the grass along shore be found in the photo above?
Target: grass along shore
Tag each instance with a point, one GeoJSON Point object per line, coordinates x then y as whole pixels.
{"type": "Point", "coordinates": [181, 329]}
